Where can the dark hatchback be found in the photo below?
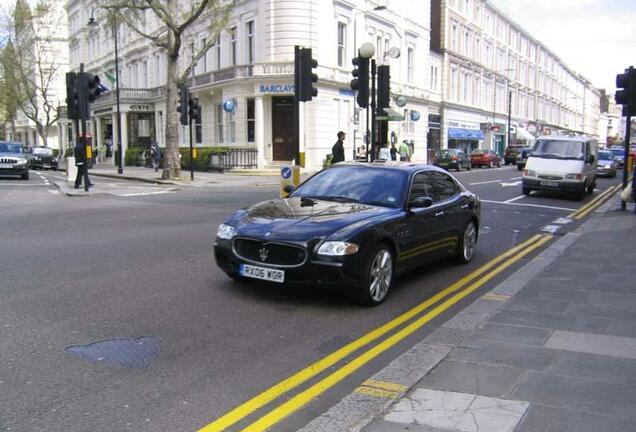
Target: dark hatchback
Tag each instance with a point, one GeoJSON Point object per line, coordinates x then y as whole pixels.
{"type": "Point", "coordinates": [356, 226]}
{"type": "Point", "coordinates": [42, 158]}
{"type": "Point", "coordinates": [452, 159]}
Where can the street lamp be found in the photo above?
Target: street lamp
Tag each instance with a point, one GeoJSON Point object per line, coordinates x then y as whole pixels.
{"type": "Point", "coordinates": [494, 103]}
{"type": "Point", "coordinates": [93, 23]}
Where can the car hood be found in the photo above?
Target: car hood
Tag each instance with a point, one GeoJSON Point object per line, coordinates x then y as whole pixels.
{"type": "Point", "coordinates": [15, 155]}
{"type": "Point", "coordinates": [605, 162]}
{"type": "Point", "coordinates": [286, 219]}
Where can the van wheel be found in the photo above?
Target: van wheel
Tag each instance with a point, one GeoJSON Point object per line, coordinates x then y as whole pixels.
{"type": "Point", "coordinates": [590, 188]}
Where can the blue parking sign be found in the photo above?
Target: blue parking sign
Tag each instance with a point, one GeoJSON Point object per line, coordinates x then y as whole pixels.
{"type": "Point", "coordinates": [286, 172]}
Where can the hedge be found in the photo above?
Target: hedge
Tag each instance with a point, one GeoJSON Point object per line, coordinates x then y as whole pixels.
{"type": "Point", "coordinates": [204, 156]}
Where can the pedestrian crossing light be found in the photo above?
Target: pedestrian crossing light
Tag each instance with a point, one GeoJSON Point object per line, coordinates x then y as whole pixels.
{"type": "Point", "coordinates": [94, 87]}
{"type": "Point", "coordinates": [194, 110]}
{"type": "Point", "coordinates": [72, 96]}
{"type": "Point", "coordinates": [360, 81]}
{"type": "Point", "coordinates": [384, 88]}
{"type": "Point", "coordinates": [626, 93]}
{"type": "Point", "coordinates": [182, 107]}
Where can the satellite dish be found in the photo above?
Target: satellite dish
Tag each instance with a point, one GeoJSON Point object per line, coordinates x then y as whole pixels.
{"type": "Point", "coordinates": [401, 101]}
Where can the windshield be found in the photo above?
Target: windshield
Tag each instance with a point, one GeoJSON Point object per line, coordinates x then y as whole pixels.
{"type": "Point", "coordinates": [10, 148]}
{"type": "Point", "coordinates": [42, 151]}
{"type": "Point", "coordinates": [373, 186]}
{"type": "Point", "coordinates": [618, 152]}
{"type": "Point", "coordinates": [556, 149]}
{"type": "Point", "coordinates": [605, 155]}
{"type": "Point", "coordinates": [446, 153]}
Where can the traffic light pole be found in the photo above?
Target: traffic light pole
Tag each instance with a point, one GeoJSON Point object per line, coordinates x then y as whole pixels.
{"type": "Point", "coordinates": [191, 153]}
{"type": "Point", "coordinates": [626, 158]}
{"type": "Point", "coordinates": [83, 97]}
{"type": "Point", "coordinates": [371, 157]}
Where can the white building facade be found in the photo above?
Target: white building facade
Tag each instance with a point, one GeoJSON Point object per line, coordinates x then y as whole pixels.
{"type": "Point", "coordinates": [251, 69]}
{"type": "Point", "coordinates": [494, 72]}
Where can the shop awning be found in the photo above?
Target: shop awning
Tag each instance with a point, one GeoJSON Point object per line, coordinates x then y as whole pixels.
{"type": "Point", "coordinates": [465, 134]}
{"type": "Point", "coordinates": [524, 134]}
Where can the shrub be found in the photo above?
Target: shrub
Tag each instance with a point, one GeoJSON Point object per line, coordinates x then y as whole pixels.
{"type": "Point", "coordinates": [68, 152]}
{"type": "Point", "coordinates": [133, 156]}
{"type": "Point", "coordinates": [204, 156]}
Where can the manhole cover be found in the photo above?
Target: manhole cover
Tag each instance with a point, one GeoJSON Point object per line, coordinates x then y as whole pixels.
{"type": "Point", "coordinates": [125, 352]}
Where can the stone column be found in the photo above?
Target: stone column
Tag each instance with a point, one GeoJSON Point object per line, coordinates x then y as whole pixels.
{"type": "Point", "coordinates": [259, 132]}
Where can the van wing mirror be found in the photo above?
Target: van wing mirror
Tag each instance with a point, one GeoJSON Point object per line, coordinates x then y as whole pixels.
{"type": "Point", "coordinates": [591, 158]}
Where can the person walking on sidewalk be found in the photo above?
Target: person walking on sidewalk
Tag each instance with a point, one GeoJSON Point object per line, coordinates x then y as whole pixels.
{"type": "Point", "coordinates": [80, 162]}
{"type": "Point", "coordinates": [405, 152]}
{"type": "Point", "coordinates": [337, 151]}
{"type": "Point", "coordinates": [155, 155]}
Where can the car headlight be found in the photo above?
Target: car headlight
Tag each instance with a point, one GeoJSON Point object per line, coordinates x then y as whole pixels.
{"type": "Point", "coordinates": [337, 248]}
{"type": "Point", "coordinates": [608, 166]}
{"type": "Point", "coordinates": [529, 173]}
{"type": "Point", "coordinates": [225, 231]}
{"type": "Point", "coordinates": [573, 177]}
{"type": "Point", "coordinates": [21, 161]}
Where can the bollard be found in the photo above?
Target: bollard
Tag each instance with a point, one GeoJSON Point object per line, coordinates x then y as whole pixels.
{"type": "Point", "coordinates": [71, 169]}
{"type": "Point", "coordinates": [289, 175]}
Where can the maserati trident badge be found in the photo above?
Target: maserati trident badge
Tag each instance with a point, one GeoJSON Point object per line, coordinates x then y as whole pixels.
{"type": "Point", "coordinates": [263, 254]}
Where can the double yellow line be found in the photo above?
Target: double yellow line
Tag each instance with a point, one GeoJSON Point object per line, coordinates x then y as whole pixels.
{"type": "Point", "coordinates": [595, 203]}
{"type": "Point", "coordinates": [455, 293]}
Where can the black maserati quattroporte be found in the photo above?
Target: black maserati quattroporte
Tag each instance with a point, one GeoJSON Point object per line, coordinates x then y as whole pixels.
{"type": "Point", "coordinates": [355, 225]}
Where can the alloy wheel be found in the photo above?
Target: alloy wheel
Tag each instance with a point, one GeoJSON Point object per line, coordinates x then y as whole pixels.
{"type": "Point", "coordinates": [380, 275]}
{"type": "Point", "coordinates": [470, 239]}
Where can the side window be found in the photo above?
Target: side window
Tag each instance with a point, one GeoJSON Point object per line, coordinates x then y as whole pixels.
{"type": "Point", "coordinates": [444, 185]}
{"type": "Point", "coordinates": [422, 186]}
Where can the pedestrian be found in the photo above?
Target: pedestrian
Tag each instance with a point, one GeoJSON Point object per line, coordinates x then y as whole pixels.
{"type": "Point", "coordinates": [405, 152]}
{"type": "Point", "coordinates": [80, 162]}
{"type": "Point", "coordinates": [155, 155]}
{"type": "Point", "coordinates": [393, 152]}
{"type": "Point", "coordinates": [384, 154]}
{"type": "Point", "coordinates": [362, 153]}
{"type": "Point", "coordinates": [337, 151]}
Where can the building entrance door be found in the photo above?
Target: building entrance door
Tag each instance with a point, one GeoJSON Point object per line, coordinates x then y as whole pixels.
{"type": "Point", "coordinates": [284, 148]}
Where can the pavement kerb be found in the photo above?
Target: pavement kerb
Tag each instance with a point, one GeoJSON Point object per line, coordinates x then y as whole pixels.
{"type": "Point", "coordinates": [360, 408]}
{"type": "Point", "coordinates": [139, 179]}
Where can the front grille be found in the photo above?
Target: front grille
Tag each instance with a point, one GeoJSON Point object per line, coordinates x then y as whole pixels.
{"type": "Point", "coordinates": [8, 160]}
{"type": "Point", "coordinates": [266, 252]}
{"type": "Point", "coordinates": [548, 177]}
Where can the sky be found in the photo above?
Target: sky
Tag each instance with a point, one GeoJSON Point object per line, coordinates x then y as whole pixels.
{"type": "Point", "coordinates": [596, 38]}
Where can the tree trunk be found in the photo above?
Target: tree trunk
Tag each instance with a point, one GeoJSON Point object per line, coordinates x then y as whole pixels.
{"type": "Point", "coordinates": [172, 164]}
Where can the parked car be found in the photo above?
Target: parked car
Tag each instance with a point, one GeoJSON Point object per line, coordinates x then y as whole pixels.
{"type": "Point", "coordinates": [510, 154]}
{"type": "Point", "coordinates": [522, 158]}
{"type": "Point", "coordinates": [12, 160]}
{"type": "Point", "coordinates": [606, 165]}
{"type": "Point", "coordinates": [356, 234]}
{"type": "Point", "coordinates": [452, 158]}
{"type": "Point", "coordinates": [561, 163]}
{"type": "Point", "coordinates": [483, 157]}
{"type": "Point", "coordinates": [619, 156]}
{"type": "Point", "coordinates": [42, 158]}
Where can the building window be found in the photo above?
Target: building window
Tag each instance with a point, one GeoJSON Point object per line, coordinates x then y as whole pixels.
{"type": "Point", "coordinates": [434, 77]}
{"type": "Point", "coordinates": [251, 120]}
{"type": "Point", "coordinates": [378, 47]}
{"type": "Point", "coordinates": [342, 49]}
{"type": "Point", "coordinates": [217, 49]}
{"type": "Point", "coordinates": [233, 45]}
{"type": "Point", "coordinates": [249, 30]}
{"type": "Point", "coordinates": [409, 70]}
{"type": "Point", "coordinates": [231, 126]}
{"type": "Point", "coordinates": [198, 128]}
{"type": "Point", "coordinates": [203, 62]}
{"type": "Point", "coordinates": [219, 124]}
{"type": "Point", "coordinates": [453, 83]}
{"type": "Point", "coordinates": [453, 41]}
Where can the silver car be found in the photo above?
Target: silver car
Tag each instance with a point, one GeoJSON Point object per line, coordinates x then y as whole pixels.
{"type": "Point", "coordinates": [606, 164]}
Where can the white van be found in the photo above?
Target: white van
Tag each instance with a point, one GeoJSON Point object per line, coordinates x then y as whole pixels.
{"type": "Point", "coordinates": [562, 163]}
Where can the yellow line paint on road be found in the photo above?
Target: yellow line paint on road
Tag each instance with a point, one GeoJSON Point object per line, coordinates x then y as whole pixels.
{"type": "Point", "coordinates": [594, 204]}
{"type": "Point", "coordinates": [591, 203]}
{"type": "Point", "coordinates": [496, 297]}
{"type": "Point", "coordinates": [303, 398]}
{"type": "Point", "coordinates": [377, 393]}
{"type": "Point", "coordinates": [262, 399]}
{"type": "Point", "coordinates": [385, 385]}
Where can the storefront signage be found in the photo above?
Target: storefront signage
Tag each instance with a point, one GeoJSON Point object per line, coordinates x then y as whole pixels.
{"type": "Point", "coordinates": [140, 108]}
{"type": "Point", "coordinates": [463, 125]}
{"type": "Point", "coordinates": [276, 88]}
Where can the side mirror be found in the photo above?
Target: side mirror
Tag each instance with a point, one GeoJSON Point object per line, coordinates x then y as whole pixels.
{"type": "Point", "coordinates": [288, 189]}
{"type": "Point", "coordinates": [421, 202]}
{"type": "Point", "coordinates": [591, 158]}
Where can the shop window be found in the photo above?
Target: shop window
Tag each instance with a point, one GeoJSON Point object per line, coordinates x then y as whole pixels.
{"type": "Point", "coordinates": [342, 37]}
{"type": "Point", "coordinates": [251, 120]}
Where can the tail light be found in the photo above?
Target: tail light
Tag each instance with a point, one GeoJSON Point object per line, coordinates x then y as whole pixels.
{"type": "Point", "coordinates": [454, 158]}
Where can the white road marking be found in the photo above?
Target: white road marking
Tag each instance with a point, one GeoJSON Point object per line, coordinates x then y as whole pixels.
{"type": "Point", "coordinates": [551, 228]}
{"type": "Point", "coordinates": [516, 178]}
{"type": "Point", "coordinates": [22, 184]}
{"type": "Point", "coordinates": [485, 182]}
{"type": "Point", "coordinates": [529, 205]}
{"type": "Point", "coordinates": [516, 183]}
{"type": "Point", "coordinates": [54, 191]}
{"type": "Point", "coordinates": [563, 221]}
{"type": "Point", "coordinates": [147, 193]}
{"type": "Point", "coordinates": [515, 199]}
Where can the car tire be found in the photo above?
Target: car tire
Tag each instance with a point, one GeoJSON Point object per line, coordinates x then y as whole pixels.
{"type": "Point", "coordinates": [25, 176]}
{"type": "Point", "coordinates": [467, 242]}
{"type": "Point", "coordinates": [468, 167]}
{"type": "Point", "coordinates": [525, 190]}
{"type": "Point", "coordinates": [378, 277]}
{"type": "Point", "coordinates": [590, 188]}
{"type": "Point", "coordinates": [518, 167]}
{"type": "Point", "coordinates": [459, 166]}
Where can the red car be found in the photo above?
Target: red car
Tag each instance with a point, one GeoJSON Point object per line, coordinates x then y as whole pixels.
{"type": "Point", "coordinates": [481, 157]}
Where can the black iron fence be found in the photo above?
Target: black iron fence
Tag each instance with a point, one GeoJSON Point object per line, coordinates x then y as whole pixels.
{"type": "Point", "coordinates": [243, 158]}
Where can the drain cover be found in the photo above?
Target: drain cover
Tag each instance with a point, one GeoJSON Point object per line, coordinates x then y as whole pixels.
{"type": "Point", "coordinates": [126, 352]}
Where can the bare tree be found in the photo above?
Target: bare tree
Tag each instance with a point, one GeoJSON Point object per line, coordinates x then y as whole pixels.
{"type": "Point", "coordinates": [166, 23]}
{"type": "Point", "coordinates": [30, 66]}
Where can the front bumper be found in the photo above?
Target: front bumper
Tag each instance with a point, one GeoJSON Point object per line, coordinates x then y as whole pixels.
{"type": "Point", "coordinates": [447, 164]}
{"type": "Point", "coordinates": [553, 185]}
{"type": "Point", "coordinates": [19, 170]}
{"type": "Point", "coordinates": [347, 271]}
{"type": "Point", "coordinates": [605, 171]}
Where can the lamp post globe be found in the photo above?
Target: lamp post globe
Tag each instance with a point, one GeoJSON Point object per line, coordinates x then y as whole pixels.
{"type": "Point", "coordinates": [367, 50]}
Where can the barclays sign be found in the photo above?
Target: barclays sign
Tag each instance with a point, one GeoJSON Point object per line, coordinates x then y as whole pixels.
{"type": "Point", "coordinates": [276, 88]}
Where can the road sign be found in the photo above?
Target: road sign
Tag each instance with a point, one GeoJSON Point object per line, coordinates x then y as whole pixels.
{"type": "Point", "coordinates": [286, 172]}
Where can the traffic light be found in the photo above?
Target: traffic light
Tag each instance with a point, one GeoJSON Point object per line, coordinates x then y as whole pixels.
{"type": "Point", "coordinates": [194, 110]}
{"type": "Point", "coordinates": [94, 86]}
{"type": "Point", "coordinates": [361, 80]}
{"type": "Point", "coordinates": [72, 96]}
{"type": "Point", "coordinates": [182, 108]}
{"type": "Point", "coordinates": [626, 96]}
{"type": "Point", "coordinates": [304, 76]}
{"type": "Point", "coordinates": [384, 88]}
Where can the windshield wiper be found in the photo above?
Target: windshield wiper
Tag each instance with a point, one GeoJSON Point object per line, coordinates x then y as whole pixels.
{"type": "Point", "coordinates": [329, 198]}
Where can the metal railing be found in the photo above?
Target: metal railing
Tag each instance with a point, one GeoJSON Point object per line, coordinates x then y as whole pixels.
{"type": "Point", "coordinates": [243, 158]}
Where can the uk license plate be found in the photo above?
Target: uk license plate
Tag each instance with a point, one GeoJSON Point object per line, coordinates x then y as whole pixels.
{"type": "Point", "coordinates": [550, 183]}
{"type": "Point", "coordinates": [263, 273]}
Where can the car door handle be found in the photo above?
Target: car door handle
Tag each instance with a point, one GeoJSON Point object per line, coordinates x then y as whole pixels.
{"type": "Point", "coordinates": [439, 213]}
{"type": "Point", "coordinates": [465, 206]}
